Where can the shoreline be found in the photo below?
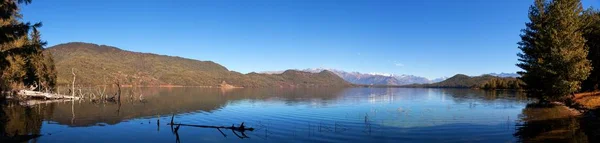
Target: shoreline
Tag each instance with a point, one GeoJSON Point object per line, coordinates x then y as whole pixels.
{"type": "Point", "coordinates": [587, 105]}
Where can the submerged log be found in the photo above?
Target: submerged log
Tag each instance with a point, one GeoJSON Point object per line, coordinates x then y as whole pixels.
{"type": "Point", "coordinates": [44, 95]}
{"type": "Point", "coordinates": [241, 129]}
{"type": "Point", "coordinates": [232, 127]}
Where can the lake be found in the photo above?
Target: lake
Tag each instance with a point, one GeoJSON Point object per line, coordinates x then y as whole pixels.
{"type": "Point", "coordinates": [281, 115]}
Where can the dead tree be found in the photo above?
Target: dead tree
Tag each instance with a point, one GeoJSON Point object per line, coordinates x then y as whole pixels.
{"type": "Point", "coordinates": [73, 84]}
{"type": "Point", "coordinates": [118, 94]}
{"type": "Point", "coordinates": [241, 129]}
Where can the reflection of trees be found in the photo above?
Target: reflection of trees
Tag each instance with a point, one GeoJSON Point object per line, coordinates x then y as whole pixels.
{"type": "Point", "coordinates": [179, 100]}
{"type": "Point", "coordinates": [549, 123]}
{"type": "Point", "coordinates": [469, 96]}
{"type": "Point", "coordinates": [155, 103]}
{"type": "Point", "coordinates": [19, 123]}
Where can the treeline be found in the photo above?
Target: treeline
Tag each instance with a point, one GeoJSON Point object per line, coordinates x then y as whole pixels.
{"type": "Point", "coordinates": [560, 50]}
{"type": "Point", "coordinates": [22, 62]}
{"type": "Point", "coordinates": [502, 83]}
{"type": "Point", "coordinates": [487, 82]}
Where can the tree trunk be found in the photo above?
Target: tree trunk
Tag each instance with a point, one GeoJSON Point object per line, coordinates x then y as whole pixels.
{"type": "Point", "coordinates": [73, 84]}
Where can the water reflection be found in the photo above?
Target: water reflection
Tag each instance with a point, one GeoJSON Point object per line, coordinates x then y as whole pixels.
{"type": "Point", "coordinates": [289, 115]}
{"type": "Point", "coordinates": [19, 123]}
{"type": "Point", "coordinates": [550, 123]}
{"type": "Point", "coordinates": [160, 102]}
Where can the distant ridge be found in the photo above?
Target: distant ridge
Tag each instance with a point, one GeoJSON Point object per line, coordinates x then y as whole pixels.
{"type": "Point", "coordinates": [505, 74]}
{"type": "Point", "coordinates": [100, 64]}
{"type": "Point", "coordinates": [486, 81]}
{"type": "Point", "coordinates": [370, 78]}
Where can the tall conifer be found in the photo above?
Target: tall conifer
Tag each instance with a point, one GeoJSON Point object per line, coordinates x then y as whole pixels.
{"type": "Point", "coordinates": [554, 54]}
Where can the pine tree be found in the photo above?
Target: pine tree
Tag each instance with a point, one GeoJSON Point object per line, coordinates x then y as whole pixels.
{"type": "Point", "coordinates": [22, 62]}
{"type": "Point", "coordinates": [553, 49]}
{"type": "Point", "coordinates": [591, 30]}
{"type": "Point", "coordinates": [40, 67]}
{"type": "Point", "coordinates": [532, 47]}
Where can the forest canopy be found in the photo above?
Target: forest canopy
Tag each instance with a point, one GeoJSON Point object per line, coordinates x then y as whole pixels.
{"type": "Point", "coordinates": [22, 61]}
{"type": "Point", "coordinates": [559, 49]}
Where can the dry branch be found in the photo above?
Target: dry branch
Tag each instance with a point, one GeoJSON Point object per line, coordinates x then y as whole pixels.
{"type": "Point", "coordinates": [241, 129]}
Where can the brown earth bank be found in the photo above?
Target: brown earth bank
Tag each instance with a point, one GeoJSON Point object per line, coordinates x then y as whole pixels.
{"type": "Point", "coordinates": [576, 120]}
{"type": "Point", "coordinates": [588, 103]}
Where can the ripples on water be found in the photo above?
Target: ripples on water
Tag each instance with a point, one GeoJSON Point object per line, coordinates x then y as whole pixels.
{"type": "Point", "coordinates": [280, 115]}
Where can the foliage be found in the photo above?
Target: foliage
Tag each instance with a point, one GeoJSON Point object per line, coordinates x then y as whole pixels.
{"type": "Point", "coordinates": [487, 82]}
{"type": "Point", "coordinates": [19, 121]}
{"type": "Point", "coordinates": [591, 30]}
{"type": "Point", "coordinates": [502, 83]}
{"type": "Point", "coordinates": [463, 81]}
{"type": "Point", "coordinates": [553, 49]}
{"type": "Point", "coordinates": [103, 65]}
{"type": "Point", "coordinates": [22, 62]}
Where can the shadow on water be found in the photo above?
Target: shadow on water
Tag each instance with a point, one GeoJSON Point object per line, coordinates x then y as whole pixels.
{"type": "Point", "coordinates": [590, 123]}
{"type": "Point", "coordinates": [551, 123]}
{"type": "Point", "coordinates": [20, 123]}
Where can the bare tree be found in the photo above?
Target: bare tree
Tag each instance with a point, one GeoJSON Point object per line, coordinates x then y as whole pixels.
{"type": "Point", "coordinates": [73, 84]}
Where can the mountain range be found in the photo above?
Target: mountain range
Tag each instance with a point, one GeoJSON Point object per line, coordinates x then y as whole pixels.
{"type": "Point", "coordinates": [372, 78]}
{"type": "Point", "coordinates": [100, 65]}
{"type": "Point", "coordinates": [104, 65]}
{"type": "Point", "coordinates": [514, 75]}
{"type": "Point", "coordinates": [486, 81]}
{"type": "Point", "coordinates": [391, 79]}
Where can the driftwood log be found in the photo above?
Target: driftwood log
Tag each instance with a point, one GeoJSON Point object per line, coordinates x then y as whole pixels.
{"type": "Point", "coordinates": [44, 95]}
{"type": "Point", "coordinates": [38, 102]}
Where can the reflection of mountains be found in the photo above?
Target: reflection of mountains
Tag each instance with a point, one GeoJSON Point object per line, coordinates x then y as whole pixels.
{"type": "Point", "coordinates": [178, 100]}
{"type": "Point", "coordinates": [167, 101]}
{"type": "Point", "coordinates": [456, 95]}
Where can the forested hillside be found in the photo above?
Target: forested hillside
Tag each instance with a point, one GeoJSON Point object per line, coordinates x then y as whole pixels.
{"type": "Point", "coordinates": [483, 82]}
{"type": "Point", "coordinates": [100, 64]}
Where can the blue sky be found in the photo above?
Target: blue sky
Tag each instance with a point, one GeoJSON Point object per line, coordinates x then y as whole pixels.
{"type": "Point", "coordinates": [430, 38]}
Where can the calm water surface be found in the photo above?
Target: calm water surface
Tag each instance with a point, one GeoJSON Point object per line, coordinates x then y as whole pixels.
{"type": "Point", "coordinates": [279, 115]}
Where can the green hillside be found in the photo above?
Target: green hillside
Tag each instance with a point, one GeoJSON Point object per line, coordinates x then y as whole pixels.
{"type": "Point", "coordinates": [463, 81]}
{"type": "Point", "coordinates": [100, 64]}
{"type": "Point", "coordinates": [484, 82]}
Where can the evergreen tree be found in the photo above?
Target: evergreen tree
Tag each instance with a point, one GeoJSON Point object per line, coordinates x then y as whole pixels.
{"type": "Point", "coordinates": [591, 30]}
{"type": "Point", "coordinates": [532, 48]}
{"type": "Point", "coordinates": [22, 62]}
{"type": "Point", "coordinates": [40, 67]}
{"type": "Point", "coordinates": [554, 54]}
